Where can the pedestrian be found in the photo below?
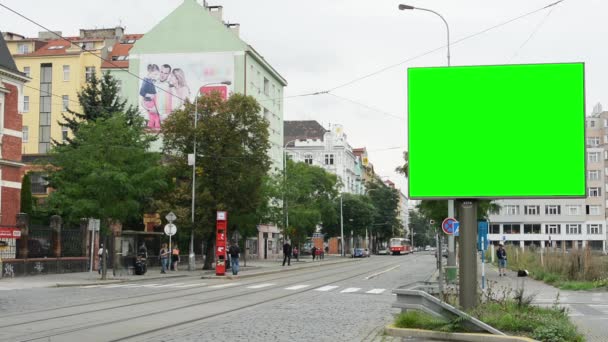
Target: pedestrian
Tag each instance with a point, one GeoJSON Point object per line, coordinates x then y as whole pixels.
{"type": "Point", "coordinates": [296, 252]}
{"type": "Point", "coordinates": [101, 257]}
{"type": "Point", "coordinates": [287, 253]}
{"type": "Point", "coordinates": [234, 251]}
{"type": "Point", "coordinates": [164, 258]}
{"type": "Point", "coordinates": [314, 253]}
{"type": "Point", "coordinates": [175, 257]}
{"type": "Point", "coordinates": [501, 253]}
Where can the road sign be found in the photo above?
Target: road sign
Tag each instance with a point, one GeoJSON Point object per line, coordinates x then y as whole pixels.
{"type": "Point", "coordinates": [171, 217]}
{"type": "Point", "coordinates": [450, 225]}
{"type": "Point", "coordinates": [221, 216]}
{"type": "Point", "coordinates": [170, 229]}
{"type": "Point", "coordinates": [93, 225]}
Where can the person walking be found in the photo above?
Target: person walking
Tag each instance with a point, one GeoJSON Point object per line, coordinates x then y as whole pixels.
{"type": "Point", "coordinates": [295, 252]}
{"type": "Point", "coordinates": [164, 258]}
{"type": "Point", "coordinates": [175, 257]}
{"type": "Point", "coordinates": [501, 253]}
{"type": "Point", "coordinates": [102, 259]}
{"type": "Point", "coordinates": [287, 253]}
{"type": "Point", "coordinates": [314, 253]}
{"type": "Point", "coordinates": [234, 251]}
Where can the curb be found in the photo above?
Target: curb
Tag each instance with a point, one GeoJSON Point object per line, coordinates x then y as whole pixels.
{"type": "Point", "coordinates": [391, 330]}
{"type": "Point", "coordinates": [118, 281]}
{"type": "Point", "coordinates": [278, 270]}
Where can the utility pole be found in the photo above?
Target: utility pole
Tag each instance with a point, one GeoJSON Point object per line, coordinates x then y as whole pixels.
{"type": "Point", "coordinates": [468, 254]}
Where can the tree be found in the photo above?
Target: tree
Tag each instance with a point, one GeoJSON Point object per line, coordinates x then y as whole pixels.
{"type": "Point", "coordinates": [424, 234]}
{"type": "Point", "coordinates": [26, 195]}
{"type": "Point", "coordinates": [232, 163]}
{"type": "Point", "coordinates": [358, 213]}
{"type": "Point", "coordinates": [108, 172]}
{"type": "Point", "coordinates": [386, 202]}
{"type": "Point", "coordinates": [99, 99]}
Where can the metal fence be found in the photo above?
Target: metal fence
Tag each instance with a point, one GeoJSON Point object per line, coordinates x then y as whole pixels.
{"type": "Point", "coordinates": [72, 243]}
{"type": "Point", "coordinates": [40, 242]}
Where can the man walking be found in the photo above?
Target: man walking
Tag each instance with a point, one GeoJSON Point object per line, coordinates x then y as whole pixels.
{"type": "Point", "coordinates": [314, 252]}
{"type": "Point", "coordinates": [234, 257]}
{"type": "Point", "coordinates": [287, 253]}
{"type": "Point", "coordinates": [502, 260]}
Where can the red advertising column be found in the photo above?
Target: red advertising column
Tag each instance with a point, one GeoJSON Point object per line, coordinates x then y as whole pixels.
{"type": "Point", "coordinates": [220, 243]}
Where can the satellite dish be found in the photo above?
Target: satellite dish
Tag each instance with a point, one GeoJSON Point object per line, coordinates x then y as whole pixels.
{"type": "Point", "coordinates": [597, 109]}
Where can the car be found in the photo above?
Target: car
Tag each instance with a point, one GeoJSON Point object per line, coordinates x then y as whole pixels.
{"type": "Point", "coordinates": [427, 248]}
{"type": "Point", "coordinates": [366, 253]}
{"type": "Point", "coordinates": [383, 251]}
{"type": "Point", "coordinates": [359, 253]}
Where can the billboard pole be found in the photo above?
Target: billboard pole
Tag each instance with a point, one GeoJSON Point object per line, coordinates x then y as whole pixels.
{"type": "Point", "coordinates": [467, 295]}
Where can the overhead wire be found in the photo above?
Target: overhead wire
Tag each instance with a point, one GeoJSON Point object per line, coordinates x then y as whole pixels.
{"type": "Point", "coordinates": [533, 33]}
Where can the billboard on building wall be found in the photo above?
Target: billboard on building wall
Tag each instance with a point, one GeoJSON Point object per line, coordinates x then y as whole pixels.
{"type": "Point", "coordinates": [169, 79]}
{"type": "Point", "coordinates": [497, 131]}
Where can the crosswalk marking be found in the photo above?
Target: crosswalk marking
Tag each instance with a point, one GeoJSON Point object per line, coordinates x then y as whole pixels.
{"type": "Point", "coordinates": [326, 288]}
{"type": "Point", "coordinates": [350, 289]}
{"type": "Point", "coordinates": [376, 291]}
{"type": "Point", "coordinates": [190, 285]}
{"type": "Point", "coordinates": [223, 285]}
{"type": "Point", "coordinates": [259, 286]}
{"type": "Point", "coordinates": [297, 287]}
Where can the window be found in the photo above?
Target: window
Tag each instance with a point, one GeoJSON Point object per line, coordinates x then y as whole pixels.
{"type": "Point", "coordinates": [532, 209]}
{"type": "Point", "coordinates": [593, 157]}
{"type": "Point", "coordinates": [23, 48]}
{"type": "Point", "coordinates": [89, 72]}
{"type": "Point", "coordinates": [39, 183]}
{"type": "Point", "coordinates": [308, 159]}
{"type": "Point", "coordinates": [66, 73]}
{"type": "Point", "coordinates": [26, 71]}
{"type": "Point", "coordinates": [329, 159]}
{"type": "Point", "coordinates": [118, 85]}
{"type": "Point", "coordinates": [593, 210]}
{"type": "Point", "coordinates": [595, 192]}
{"type": "Point", "coordinates": [64, 133]}
{"type": "Point", "coordinates": [128, 41]}
{"type": "Point", "coordinates": [511, 209]}
{"type": "Point", "coordinates": [495, 229]}
{"type": "Point", "coordinates": [26, 133]}
{"type": "Point", "coordinates": [594, 175]}
{"type": "Point", "coordinates": [591, 123]}
{"type": "Point", "coordinates": [120, 58]}
{"type": "Point", "coordinates": [573, 210]}
{"type": "Point", "coordinates": [266, 86]}
{"type": "Point", "coordinates": [553, 228]}
{"type": "Point", "coordinates": [573, 229]}
{"type": "Point", "coordinates": [267, 114]}
{"type": "Point", "coordinates": [88, 46]}
{"type": "Point", "coordinates": [593, 141]}
{"type": "Point", "coordinates": [594, 229]}
{"type": "Point", "coordinates": [26, 104]}
{"type": "Point", "coordinates": [65, 101]}
{"type": "Point", "coordinates": [511, 228]}
{"type": "Point", "coordinates": [531, 228]}
{"type": "Point", "coordinates": [552, 210]}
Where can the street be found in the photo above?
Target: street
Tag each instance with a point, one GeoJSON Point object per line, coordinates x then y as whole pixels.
{"type": "Point", "coordinates": [341, 302]}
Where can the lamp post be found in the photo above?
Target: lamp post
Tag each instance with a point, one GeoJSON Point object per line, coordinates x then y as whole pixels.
{"type": "Point", "coordinates": [285, 207]}
{"type": "Point", "coordinates": [341, 228]}
{"type": "Point", "coordinates": [191, 265]}
{"type": "Point", "coordinates": [408, 7]}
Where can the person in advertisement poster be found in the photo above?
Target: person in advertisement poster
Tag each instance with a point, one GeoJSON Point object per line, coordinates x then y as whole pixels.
{"type": "Point", "coordinates": [148, 96]}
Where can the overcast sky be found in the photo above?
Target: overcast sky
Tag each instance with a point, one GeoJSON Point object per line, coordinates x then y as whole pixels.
{"type": "Point", "coordinates": [320, 44]}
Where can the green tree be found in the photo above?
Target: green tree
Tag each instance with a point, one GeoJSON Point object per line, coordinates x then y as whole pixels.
{"type": "Point", "coordinates": [108, 172]}
{"type": "Point", "coordinates": [232, 164]}
{"type": "Point", "coordinates": [26, 195]}
{"type": "Point", "coordinates": [424, 234]}
{"type": "Point", "coordinates": [386, 202]}
{"type": "Point", "coordinates": [99, 99]}
{"type": "Point", "coordinates": [358, 213]}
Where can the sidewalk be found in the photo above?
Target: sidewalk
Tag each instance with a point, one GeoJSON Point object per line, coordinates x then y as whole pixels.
{"type": "Point", "coordinates": [254, 268]}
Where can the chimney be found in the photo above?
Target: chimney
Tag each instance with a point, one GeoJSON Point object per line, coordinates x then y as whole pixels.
{"type": "Point", "coordinates": [234, 28]}
{"type": "Point", "coordinates": [216, 11]}
{"type": "Point", "coordinates": [45, 35]}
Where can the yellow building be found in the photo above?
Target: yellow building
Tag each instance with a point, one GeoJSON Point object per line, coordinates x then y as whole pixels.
{"type": "Point", "coordinates": [59, 70]}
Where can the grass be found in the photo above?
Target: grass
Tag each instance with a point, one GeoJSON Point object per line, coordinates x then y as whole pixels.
{"type": "Point", "coordinates": [576, 270]}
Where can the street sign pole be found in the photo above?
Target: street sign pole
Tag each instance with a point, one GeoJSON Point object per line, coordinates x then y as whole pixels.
{"type": "Point", "coordinates": [451, 242]}
{"type": "Point", "coordinates": [92, 247]}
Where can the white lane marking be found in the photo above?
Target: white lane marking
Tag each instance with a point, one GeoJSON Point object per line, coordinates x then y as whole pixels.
{"type": "Point", "coordinates": [376, 291]}
{"type": "Point", "coordinates": [113, 286]}
{"type": "Point", "coordinates": [326, 288]}
{"type": "Point", "coordinates": [259, 286]}
{"type": "Point", "coordinates": [190, 285]}
{"type": "Point", "coordinates": [297, 287]}
{"type": "Point", "coordinates": [167, 285]}
{"type": "Point", "coordinates": [150, 285]}
{"type": "Point", "coordinates": [90, 286]}
{"type": "Point", "coordinates": [223, 285]}
{"type": "Point", "coordinates": [350, 289]}
{"type": "Point", "coordinates": [379, 273]}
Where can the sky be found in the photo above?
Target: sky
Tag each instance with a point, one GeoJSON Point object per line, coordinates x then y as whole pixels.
{"type": "Point", "coordinates": [321, 45]}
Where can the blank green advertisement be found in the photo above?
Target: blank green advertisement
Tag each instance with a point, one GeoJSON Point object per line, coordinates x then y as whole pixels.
{"type": "Point", "coordinates": [497, 131]}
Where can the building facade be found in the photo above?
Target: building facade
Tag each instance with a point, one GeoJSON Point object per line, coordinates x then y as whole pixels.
{"type": "Point", "coordinates": [311, 143]}
{"type": "Point", "coordinates": [11, 90]}
{"type": "Point", "coordinates": [563, 223]}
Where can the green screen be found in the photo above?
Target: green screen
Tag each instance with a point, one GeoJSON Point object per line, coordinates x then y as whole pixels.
{"type": "Point", "coordinates": [497, 131]}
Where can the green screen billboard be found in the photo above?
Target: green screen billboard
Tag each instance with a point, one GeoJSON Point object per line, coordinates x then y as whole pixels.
{"type": "Point", "coordinates": [504, 131]}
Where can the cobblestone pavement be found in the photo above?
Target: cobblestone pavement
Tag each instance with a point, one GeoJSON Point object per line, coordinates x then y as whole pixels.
{"type": "Point", "coordinates": [340, 302]}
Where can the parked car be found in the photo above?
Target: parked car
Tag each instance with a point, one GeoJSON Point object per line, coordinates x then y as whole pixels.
{"type": "Point", "coordinates": [359, 253]}
{"type": "Point", "coordinates": [366, 253]}
{"type": "Point", "coordinates": [383, 251]}
{"type": "Point", "coordinates": [427, 248]}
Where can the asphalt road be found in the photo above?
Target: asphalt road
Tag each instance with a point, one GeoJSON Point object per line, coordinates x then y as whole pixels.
{"type": "Point", "coordinates": [340, 302]}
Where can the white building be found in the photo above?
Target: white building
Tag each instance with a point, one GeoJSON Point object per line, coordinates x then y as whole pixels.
{"type": "Point", "coordinates": [311, 143]}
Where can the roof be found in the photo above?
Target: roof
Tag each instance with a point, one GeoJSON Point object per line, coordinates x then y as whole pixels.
{"type": "Point", "coordinates": [53, 47]}
{"type": "Point", "coordinates": [6, 60]}
{"type": "Point", "coordinates": [120, 49]}
{"type": "Point", "coordinates": [302, 130]}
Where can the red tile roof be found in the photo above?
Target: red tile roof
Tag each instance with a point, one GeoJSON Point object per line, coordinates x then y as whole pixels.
{"type": "Point", "coordinates": [46, 49]}
{"type": "Point", "coordinates": [120, 49]}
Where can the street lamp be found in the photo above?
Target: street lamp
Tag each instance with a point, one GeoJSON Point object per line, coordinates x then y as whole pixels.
{"type": "Point", "coordinates": [286, 209]}
{"type": "Point", "coordinates": [191, 252]}
{"type": "Point", "coordinates": [408, 7]}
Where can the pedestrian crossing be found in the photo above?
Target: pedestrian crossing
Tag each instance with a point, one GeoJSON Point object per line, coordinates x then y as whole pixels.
{"type": "Point", "coordinates": [325, 288]}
